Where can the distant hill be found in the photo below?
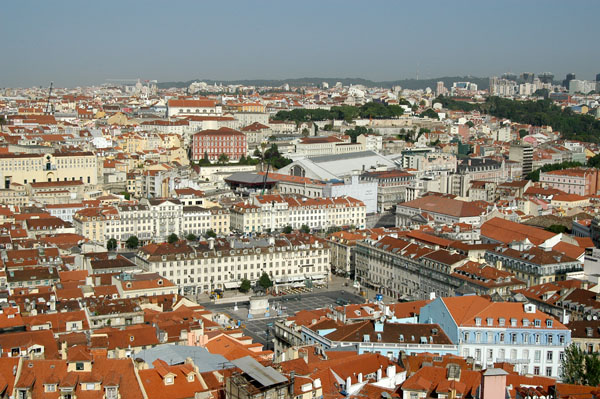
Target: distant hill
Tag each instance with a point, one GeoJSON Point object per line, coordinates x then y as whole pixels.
{"type": "Point", "coordinates": [413, 84]}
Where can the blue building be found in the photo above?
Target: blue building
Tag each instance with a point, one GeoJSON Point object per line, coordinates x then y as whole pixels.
{"type": "Point", "coordinates": [509, 332]}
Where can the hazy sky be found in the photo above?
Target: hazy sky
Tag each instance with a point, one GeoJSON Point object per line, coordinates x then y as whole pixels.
{"type": "Point", "coordinates": [79, 42]}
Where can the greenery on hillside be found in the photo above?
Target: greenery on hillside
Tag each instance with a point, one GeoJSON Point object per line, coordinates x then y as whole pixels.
{"type": "Point", "coordinates": [345, 112]}
{"type": "Point", "coordinates": [538, 113]}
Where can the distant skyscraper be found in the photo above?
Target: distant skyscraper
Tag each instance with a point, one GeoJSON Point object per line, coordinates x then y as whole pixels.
{"type": "Point", "coordinates": [527, 77]}
{"type": "Point", "coordinates": [598, 77]}
{"type": "Point", "coordinates": [568, 79]}
{"type": "Point", "coordinates": [509, 76]}
{"type": "Point", "coordinates": [440, 90]}
{"type": "Point", "coordinates": [546, 77]}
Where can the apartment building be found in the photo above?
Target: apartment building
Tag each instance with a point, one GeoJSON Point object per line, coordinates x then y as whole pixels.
{"type": "Point", "coordinates": [505, 332]}
{"type": "Point", "coordinates": [214, 143]}
{"type": "Point", "coordinates": [441, 209]}
{"type": "Point", "coordinates": [204, 107]}
{"type": "Point", "coordinates": [406, 270]}
{"type": "Point", "coordinates": [57, 166]}
{"type": "Point", "coordinates": [92, 223]}
{"type": "Point", "coordinates": [580, 181]}
{"type": "Point", "coordinates": [391, 186]}
{"type": "Point", "coordinates": [224, 263]}
{"type": "Point", "coordinates": [274, 212]}
{"type": "Point", "coordinates": [533, 265]}
{"type": "Point", "coordinates": [523, 154]}
{"type": "Point", "coordinates": [330, 145]}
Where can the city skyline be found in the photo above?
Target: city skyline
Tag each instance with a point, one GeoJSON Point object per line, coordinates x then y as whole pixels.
{"type": "Point", "coordinates": [73, 45]}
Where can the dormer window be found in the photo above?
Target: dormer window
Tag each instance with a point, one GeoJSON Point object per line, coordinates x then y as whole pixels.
{"type": "Point", "coordinates": [79, 366]}
{"type": "Point", "coordinates": [549, 323]}
{"type": "Point", "coordinates": [501, 321]}
{"type": "Point", "coordinates": [490, 321]}
{"type": "Point", "coordinates": [513, 322]}
{"type": "Point", "coordinates": [537, 323]}
{"type": "Point", "coordinates": [525, 322]}
{"type": "Point", "coordinates": [478, 321]}
{"type": "Point", "coordinates": [169, 380]}
{"type": "Point", "coordinates": [49, 387]}
{"type": "Point", "coordinates": [190, 377]}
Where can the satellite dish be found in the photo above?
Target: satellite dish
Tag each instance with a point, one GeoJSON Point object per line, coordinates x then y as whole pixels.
{"type": "Point", "coordinates": [589, 318]}
{"type": "Point", "coordinates": [595, 317]}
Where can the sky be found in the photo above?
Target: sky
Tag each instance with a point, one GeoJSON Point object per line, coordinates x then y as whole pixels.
{"type": "Point", "coordinates": [83, 43]}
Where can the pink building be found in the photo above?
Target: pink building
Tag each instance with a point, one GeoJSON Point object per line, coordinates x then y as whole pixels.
{"type": "Point", "coordinates": [213, 143]}
{"type": "Point", "coordinates": [581, 181]}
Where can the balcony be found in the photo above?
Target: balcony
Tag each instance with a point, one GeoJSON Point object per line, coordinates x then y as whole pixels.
{"type": "Point", "coordinates": [512, 361]}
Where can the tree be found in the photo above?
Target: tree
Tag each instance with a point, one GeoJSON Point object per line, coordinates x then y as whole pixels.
{"type": "Point", "coordinates": [126, 195]}
{"type": "Point", "coordinates": [573, 364]}
{"type": "Point", "coordinates": [132, 242]}
{"type": "Point", "coordinates": [223, 159]}
{"type": "Point", "coordinates": [245, 285]}
{"type": "Point", "coordinates": [191, 237]}
{"type": "Point", "coordinates": [173, 238]}
{"type": "Point", "coordinates": [470, 123]}
{"type": "Point", "coordinates": [429, 113]}
{"type": "Point", "coordinates": [594, 162]}
{"type": "Point", "coordinates": [265, 281]}
{"type": "Point", "coordinates": [522, 133]}
{"type": "Point", "coordinates": [305, 132]}
{"type": "Point", "coordinates": [111, 244]}
{"type": "Point", "coordinates": [592, 369]}
{"type": "Point", "coordinates": [287, 229]}
{"type": "Point", "coordinates": [305, 229]}
{"type": "Point", "coordinates": [557, 228]}
{"type": "Point", "coordinates": [210, 234]}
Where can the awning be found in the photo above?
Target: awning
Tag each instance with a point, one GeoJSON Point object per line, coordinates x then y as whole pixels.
{"type": "Point", "coordinates": [296, 278]}
{"type": "Point", "coordinates": [318, 276]}
{"type": "Point", "coordinates": [232, 284]}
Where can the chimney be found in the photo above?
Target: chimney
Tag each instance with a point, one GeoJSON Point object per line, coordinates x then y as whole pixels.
{"type": "Point", "coordinates": [211, 243]}
{"type": "Point", "coordinates": [360, 377]}
{"type": "Point", "coordinates": [349, 383]}
{"type": "Point", "coordinates": [391, 371]}
{"type": "Point", "coordinates": [379, 374]}
{"type": "Point", "coordinates": [292, 381]}
{"type": "Point", "coordinates": [493, 384]}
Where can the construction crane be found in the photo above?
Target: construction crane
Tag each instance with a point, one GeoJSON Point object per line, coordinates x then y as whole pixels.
{"type": "Point", "coordinates": [265, 179]}
{"type": "Point", "coordinates": [48, 102]}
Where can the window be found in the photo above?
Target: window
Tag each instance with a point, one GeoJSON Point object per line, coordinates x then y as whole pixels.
{"type": "Point", "coordinates": [537, 323]}
{"type": "Point", "coordinates": [538, 356]}
{"type": "Point", "coordinates": [501, 321]}
{"type": "Point", "coordinates": [549, 323]}
{"type": "Point", "coordinates": [490, 354]}
{"type": "Point", "coordinates": [550, 338]}
{"type": "Point", "coordinates": [549, 356]}
{"type": "Point", "coordinates": [478, 321]}
{"type": "Point", "coordinates": [79, 366]}
{"type": "Point", "coordinates": [536, 370]}
{"type": "Point", "coordinates": [549, 371]}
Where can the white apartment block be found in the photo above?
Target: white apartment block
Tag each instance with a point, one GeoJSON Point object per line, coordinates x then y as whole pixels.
{"type": "Point", "coordinates": [274, 212]}
{"type": "Point", "coordinates": [224, 263]}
